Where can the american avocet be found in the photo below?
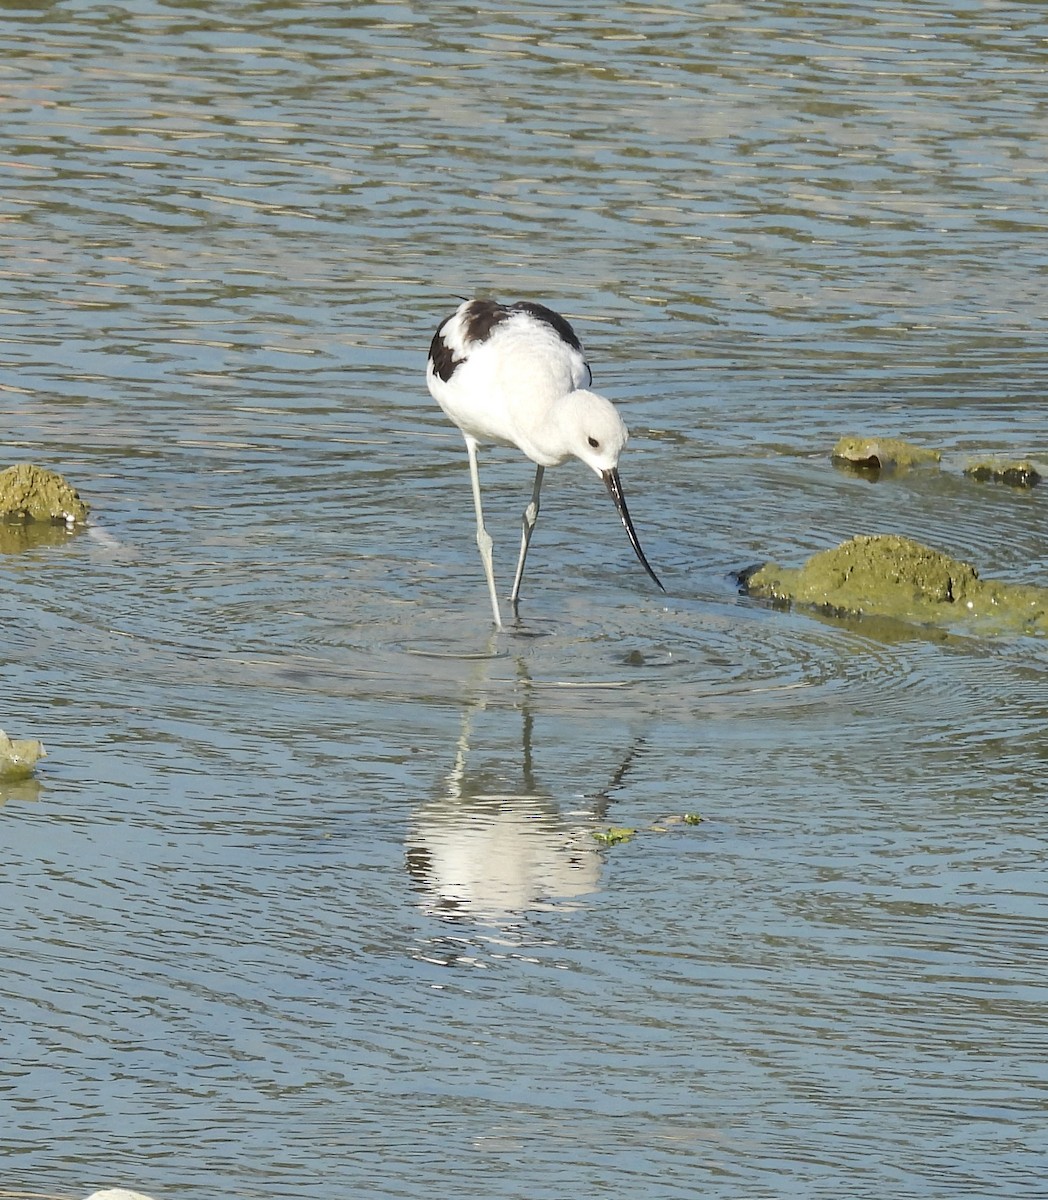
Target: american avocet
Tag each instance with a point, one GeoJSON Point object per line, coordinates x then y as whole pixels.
{"type": "Point", "coordinates": [118, 1194]}
{"type": "Point", "coordinates": [515, 375]}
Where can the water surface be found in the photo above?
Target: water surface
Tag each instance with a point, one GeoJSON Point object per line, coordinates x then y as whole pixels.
{"type": "Point", "coordinates": [305, 899]}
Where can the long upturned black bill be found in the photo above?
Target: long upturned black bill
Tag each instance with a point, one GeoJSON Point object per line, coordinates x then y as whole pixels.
{"type": "Point", "coordinates": [614, 486]}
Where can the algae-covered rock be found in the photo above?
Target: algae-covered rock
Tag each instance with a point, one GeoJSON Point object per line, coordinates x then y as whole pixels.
{"type": "Point", "coordinates": [881, 454]}
{"type": "Point", "coordinates": [890, 576]}
{"type": "Point", "coordinates": [18, 756]}
{"type": "Point", "coordinates": [31, 493]}
{"type": "Point", "coordinates": [1016, 472]}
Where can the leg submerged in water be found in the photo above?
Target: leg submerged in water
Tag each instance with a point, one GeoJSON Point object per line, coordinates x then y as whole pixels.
{"type": "Point", "coordinates": [484, 542]}
{"type": "Point", "coordinates": [531, 515]}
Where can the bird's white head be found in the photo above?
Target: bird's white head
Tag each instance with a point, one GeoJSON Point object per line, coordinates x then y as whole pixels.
{"type": "Point", "coordinates": [593, 429]}
{"type": "Point", "coordinates": [596, 433]}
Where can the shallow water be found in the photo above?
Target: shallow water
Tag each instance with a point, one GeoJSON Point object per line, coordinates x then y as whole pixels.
{"type": "Point", "coordinates": [304, 900]}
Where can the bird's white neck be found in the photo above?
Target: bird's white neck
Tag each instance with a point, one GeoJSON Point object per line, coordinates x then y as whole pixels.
{"type": "Point", "coordinates": [578, 424]}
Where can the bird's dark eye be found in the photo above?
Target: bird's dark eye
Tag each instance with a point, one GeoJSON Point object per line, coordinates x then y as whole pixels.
{"type": "Point", "coordinates": [593, 442]}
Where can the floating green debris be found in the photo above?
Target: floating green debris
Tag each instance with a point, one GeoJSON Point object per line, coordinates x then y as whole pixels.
{"type": "Point", "coordinates": [881, 454]}
{"type": "Point", "coordinates": [614, 836]}
{"type": "Point", "coordinates": [31, 493]}
{"type": "Point", "coordinates": [890, 576]}
{"type": "Point", "coordinates": [1022, 473]}
{"type": "Point", "coordinates": [18, 757]}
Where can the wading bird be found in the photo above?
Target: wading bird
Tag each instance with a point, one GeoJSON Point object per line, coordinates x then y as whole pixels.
{"type": "Point", "coordinates": [515, 375]}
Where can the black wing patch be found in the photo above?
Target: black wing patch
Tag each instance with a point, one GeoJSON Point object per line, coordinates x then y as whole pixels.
{"type": "Point", "coordinates": [480, 317]}
{"type": "Point", "coordinates": [442, 357]}
{"type": "Point", "coordinates": [553, 319]}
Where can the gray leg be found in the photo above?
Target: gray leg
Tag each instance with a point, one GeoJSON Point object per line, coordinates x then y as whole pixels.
{"type": "Point", "coordinates": [531, 515]}
{"type": "Point", "coordinates": [484, 542]}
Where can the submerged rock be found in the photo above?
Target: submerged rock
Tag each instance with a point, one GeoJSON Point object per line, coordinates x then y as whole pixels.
{"type": "Point", "coordinates": [1020, 473]}
{"type": "Point", "coordinates": [18, 756]}
{"type": "Point", "coordinates": [881, 454]}
{"type": "Point", "coordinates": [31, 493]}
{"type": "Point", "coordinates": [890, 576]}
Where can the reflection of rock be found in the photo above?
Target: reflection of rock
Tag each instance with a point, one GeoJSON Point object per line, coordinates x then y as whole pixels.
{"type": "Point", "coordinates": [891, 576]}
{"type": "Point", "coordinates": [881, 454]}
{"type": "Point", "coordinates": [491, 854]}
{"type": "Point", "coordinates": [1018, 473]}
{"type": "Point", "coordinates": [18, 756]}
{"type": "Point", "coordinates": [18, 536]}
{"type": "Point", "coordinates": [30, 493]}
{"type": "Point", "coordinates": [21, 791]}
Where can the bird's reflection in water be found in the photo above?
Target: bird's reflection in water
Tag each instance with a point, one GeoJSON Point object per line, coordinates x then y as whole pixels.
{"type": "Point", "coordinates": [495, 843]}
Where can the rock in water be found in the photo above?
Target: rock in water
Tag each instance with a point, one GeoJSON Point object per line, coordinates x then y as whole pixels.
{"type": "Point", "coordinates": [886, 575]}
{"type": "Point", "coordinates": [18, 756]}
{"type": "Point", "coordinates": [31, 493]}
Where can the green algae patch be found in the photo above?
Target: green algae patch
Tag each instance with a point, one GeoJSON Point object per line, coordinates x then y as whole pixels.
{"type": "Point", "coordinates": [614, 836]}
{"type": "Point", "coordinates": [882, 454]}
{"type": "Point", "coordinates": [1020, 473]}
{"type": "Point", "coordinates": [31, 493]}
{"type": "Point", "coordinates": [18, 757]}
{"type": "Point", "coordinates": [889, 576]}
